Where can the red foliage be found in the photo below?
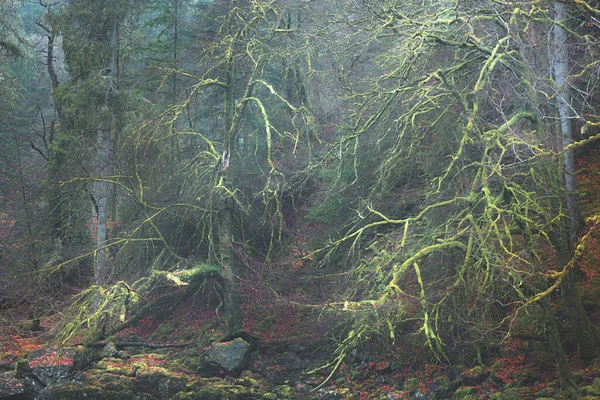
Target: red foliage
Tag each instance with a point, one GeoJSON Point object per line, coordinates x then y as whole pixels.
{"type": "Point", "coordinates": [50, 358]}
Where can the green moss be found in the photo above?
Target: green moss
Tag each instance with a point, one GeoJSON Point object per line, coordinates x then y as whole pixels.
{"type": "Point", "coordinates": [466, 393]}
{"type": "Point", "coordinates": [590, 391]}
{"type": "Point", "coordinates": [220, 392]}
{"type": "Point", "coordinates": [412, 384]}
{"type": "Point", "coordinates": [21, 368]}
{"type": "Point", "coordinates": [166, 328]}
{"type": "Point", "coordinates": [545, 393]}
{"type": "Point", "coordinates": [183, 396]}
{"type": "Point", "coordinates": [285, 391]}
{"type": "Point", "coordinates": [512, 394]}
{"type": "Point", "coordinates": [117, 367]}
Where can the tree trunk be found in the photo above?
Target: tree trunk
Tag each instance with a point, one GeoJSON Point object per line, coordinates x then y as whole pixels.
{"type": "Point", "coordinates": [231, 298]}
{"type": "Point", "coordinates": [104, 167]}
{"type": "Point", "coordinates": [586, 335]}
{"type": "Point", "coordinates": [567, 382]}
{"type": "Point", "coordinates": [102, 193]}
{"type": "Point", "coordinates": [561, 72]}
{"type": "Point", "coordinates": [225, 224]}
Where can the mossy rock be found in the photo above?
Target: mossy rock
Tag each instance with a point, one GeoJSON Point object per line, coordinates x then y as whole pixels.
{"type": "Point", "coordinates": [248, 382]}
{"type": "Point", "coordinates": [84, 357]}
{"type": "Point", "coordinates": [412, 385]}
{"type": "Point", "coordinates": [512, 394]}
{"type": "Point", "coordinates": [224, 392]}
{"type": "Point", "coordinates": [526, 378]}
{"type": "Point", "coordinates": [166, 328]}
{"type": "Point", "coordinates": [466, 393]}
{"type": "Point", "coordinates": [580, 376]}
{"type": "Point", "coordinates": [442, 387]}
{"type": "Point", "coordinates": [474, 376]}
{"type": "Point", "coordinates": [77, 391]}
{"type": "Point", "coordinates": [160, 382]}
{"type": "Point", "coordinates": [22, 368]}
{"type": "Point", "coordinates": [590, 390]}
{"type": "Point", "coordinates": [192, 362]}
{"type": "Point", "coordinates": [184, 396]}
{"type": "Point", "coordinates": [229, 358]}
{"type": "Point", "coordinates": [547, 392]}
{"type": "Point", "coordinates": [284, 391]}
{"type": "Point", "coordinates": [111, 382]}
{"type": "Point", "coordinates": [117, 366]}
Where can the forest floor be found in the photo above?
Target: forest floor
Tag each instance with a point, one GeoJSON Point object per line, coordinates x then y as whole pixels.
{"type": "Point", "coordinates": [294, 346]}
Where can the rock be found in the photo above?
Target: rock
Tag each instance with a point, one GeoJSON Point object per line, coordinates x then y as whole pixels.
{"type": "Point", "coordinates": [218, 392]}
{"type": "Point", "coordinates": [184, 396]}
{"type": "Point", "coordinates": [517, 393]}
{"type": "Point", "coordinates": [11, 387]}
{"type": "Point", "coordinates": [79, 391]}
{"type": "Point", "coordinates": [591, 390]}
{"type": "Point", "coordinates": [229, 358]}
{"type": "Point", "coordinates": [8, 361]}
{"type": "Point", "coordinates": [466, 393]}
{"type": "Point", "coordinates": [473, 376]}
{"type": "Point", "coordinates": [84, 357]}
{"type": "Point", "coordinates": [117, 367]}
{"type": "Point", "coordinates": [329, 395]}
{"type": "Point", "coordinates": [443, 388]}
{"type": "Point", "coordinates": [159, 382]}
{"type": "Point", "coordinates": [22, 369]}
{"type": "Point", "coordinates": [110, 350]}
{"type": "Point", "coordinates": [412, 385]}
{"type": "Point", "coordinates": [51, 366]}
{"type": "Point", "coordinates": [545, 393]}
{"type": "Point", "coordinates": [284, 391]}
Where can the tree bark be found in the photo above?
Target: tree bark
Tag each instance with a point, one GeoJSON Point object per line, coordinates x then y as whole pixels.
{"type": "Point", "coordinates": [231, 298]}
{"type": "Point", "coordinates": [561, 72]}
{"type": "Point", "coordinates": [567, 382]}
{"type": "Point", "coordinates": [104, 166]}
{"type": "Point", "coordinates": [586, 334]}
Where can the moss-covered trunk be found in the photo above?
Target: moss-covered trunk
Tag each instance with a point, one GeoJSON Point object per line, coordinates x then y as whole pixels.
{"type": "Point", "coordinates": [587, 336]}
{"type": "Point", "coordinates": [567, 382]}
{"type": "Point", "coordinates": [231, 298]}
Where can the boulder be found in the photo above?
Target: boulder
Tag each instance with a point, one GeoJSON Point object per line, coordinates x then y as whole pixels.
{"type": "Point", "coordinates": [13, 388]}
{"type": "Point", "coordinates": [110, 350]}
{"type": "Point", "coordinates": [229, 358]}
{"type": "Point", "coordinates": [474, 376]}
{"type": "Point", "coordinates": [8, 361]}
{"type": "Point", "coordinates": [51, 366]}
{"type": "Point", "coordinates": [159, 382]}
{"type": "Point", "coordinates": [81, 391]}
{"type": "Point", "coordinates": [443, 388]}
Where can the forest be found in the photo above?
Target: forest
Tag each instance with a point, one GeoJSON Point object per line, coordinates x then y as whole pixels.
{"type": "Point", "coordinates": [299, 199]}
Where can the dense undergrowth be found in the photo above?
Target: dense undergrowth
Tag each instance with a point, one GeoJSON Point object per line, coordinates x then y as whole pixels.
{"type": "Point", "coordinates": [286, 317]}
